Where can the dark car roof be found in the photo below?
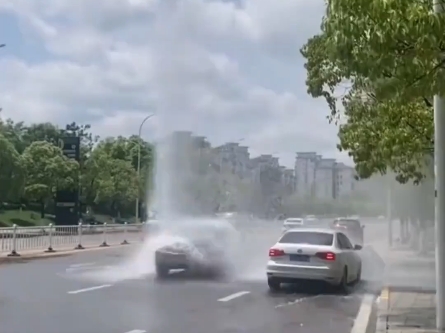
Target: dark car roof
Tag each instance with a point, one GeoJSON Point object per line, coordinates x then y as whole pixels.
{"type": "Point", "coordinates": [347, 222]}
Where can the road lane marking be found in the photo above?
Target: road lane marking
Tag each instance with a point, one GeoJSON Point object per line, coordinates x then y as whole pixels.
{"type": "Point", "coordinates": [137, 331]}
{"type": "Point", "coordinates": [82, 265]}
{"type": "Point", "coordinates": [233, 296]}
{"type": "Point", "coordinates": [298, 300]}
{"type": "Point", "coordinates": [364, 314]}
{"type": "Point", "coordinates": [89, 289]}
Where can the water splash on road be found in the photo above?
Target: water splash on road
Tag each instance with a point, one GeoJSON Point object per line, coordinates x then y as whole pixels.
{"type": "Point", "coordinates": [246, 253]}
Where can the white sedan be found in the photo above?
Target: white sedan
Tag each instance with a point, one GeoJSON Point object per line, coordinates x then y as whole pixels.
{"type": "Point", "coordinates": [291, 223]}
{"type": "Point", "coordinates": [314, 255]}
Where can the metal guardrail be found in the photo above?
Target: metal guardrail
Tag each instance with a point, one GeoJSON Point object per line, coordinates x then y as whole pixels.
{"type": "Point", "coordinates": [15, 239]}
{"type": "Point", "coordinates": [51, 238]}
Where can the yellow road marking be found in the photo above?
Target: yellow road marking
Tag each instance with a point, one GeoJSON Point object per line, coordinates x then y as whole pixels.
{"type": "Point", "coordinates": [384, 294]}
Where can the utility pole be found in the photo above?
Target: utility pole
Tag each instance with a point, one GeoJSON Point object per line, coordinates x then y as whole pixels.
{"type": "Point", "coordinates": [439, 147]}
{"type": "Point", "coordinates": [439, 151]}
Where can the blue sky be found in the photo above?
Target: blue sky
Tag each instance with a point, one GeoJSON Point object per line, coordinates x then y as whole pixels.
{"type": "Point", "coordinates": [223, 71]}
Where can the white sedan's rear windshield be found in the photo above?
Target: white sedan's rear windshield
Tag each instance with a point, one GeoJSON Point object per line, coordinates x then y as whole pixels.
{"type": "Point", "coordinates": [310, 238]}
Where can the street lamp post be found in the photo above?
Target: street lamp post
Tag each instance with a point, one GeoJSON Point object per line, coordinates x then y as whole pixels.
{"type": "Point", "coordinates": [139, 161]}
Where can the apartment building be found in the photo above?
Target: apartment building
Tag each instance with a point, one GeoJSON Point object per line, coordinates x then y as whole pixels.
{"type": "Point", "coordinates": [325, 173]}
{"type": "Point", "coordinates": [322, 178]}
{"type": "Point", "coordinates": [264, 183]}
{"type": "Point", "coordinates": [260, 164]}
{"type": "Point", "coordinates": [288, 180]}
{"type": "Point", "coordinates": [200, 142]}
{"type": "Point", "coordinates": [267, 178]}
{"type": "Point", "coordinates": [231, 157]}
{"type": "Point", "coordinates": [344, 180]}
{"type": "Point", "coordinates": [305, 166]}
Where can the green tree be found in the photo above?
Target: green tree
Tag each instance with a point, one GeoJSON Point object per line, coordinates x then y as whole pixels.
{"type": "Point", "coordinates": [109, 179]}
{"type": "Point", "coordinates": [11, 171]}
{"type": "Point", "coordinates": [87, 139]}
{"type": "Point", "coordinates": [126, 149]}
{"type": "Point", "coordinates": [47, 170]}
{"type": "Point", "coordinates": [41, 132]}
{"type": "Point", "coordinates": [106, 167]}
{"type": "Point", "coordinates": [14, 133]}
{"type": "Point", "coordinates": [379, 60]}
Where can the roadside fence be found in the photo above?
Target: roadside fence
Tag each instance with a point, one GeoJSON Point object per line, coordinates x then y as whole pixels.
{"type": "Point", "coordinates": [51, 238]}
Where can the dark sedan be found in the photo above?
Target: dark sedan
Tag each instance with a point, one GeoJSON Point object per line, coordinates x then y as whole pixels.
{"type": "Point", "coordinates": [352, 227]}
{"type": "Point", "coordinates": [202, 250]}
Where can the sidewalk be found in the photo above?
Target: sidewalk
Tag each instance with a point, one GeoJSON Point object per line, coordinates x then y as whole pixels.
{"type": "Point", "coordinates": [407, 303]}
{"type": "Point", "coordinates": [406, 312]}
{"type": "Point", "coordinates": [410, 271]}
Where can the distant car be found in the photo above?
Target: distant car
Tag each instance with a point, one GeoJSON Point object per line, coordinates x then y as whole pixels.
{"type": "Point", "coordinates": [311, 222]}
{"type": "Point", "coordinates": [292, 222]}
{"type": "Point", "coordinates": [200, 250]}
{"type": "Point", "coordinates": [226, 215]}
{"type": "Point", "coordinates": [314, 255]}
{"type": "Point", "coordinates": [352, 227]}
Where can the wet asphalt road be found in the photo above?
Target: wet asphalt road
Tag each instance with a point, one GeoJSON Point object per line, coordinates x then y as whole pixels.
{"type": "Point", "coordinates": [43, 297]}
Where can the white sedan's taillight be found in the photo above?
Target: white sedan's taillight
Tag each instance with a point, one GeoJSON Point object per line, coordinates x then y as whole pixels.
{"type": "Point", "coordinates": [276, 252]}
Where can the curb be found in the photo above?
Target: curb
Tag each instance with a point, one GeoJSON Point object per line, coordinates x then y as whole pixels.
{"type": "Point", "coordinates": [63, 253]}
{"type": "Point", "coordinates": [383, 308]}
{"type": "Point", "coordinates": [410, 289]}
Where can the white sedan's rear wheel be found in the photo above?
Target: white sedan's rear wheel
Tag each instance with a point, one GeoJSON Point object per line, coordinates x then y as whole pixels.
{"type": "Point", "coordinates": [342, 287]}
{"type": "Point", "coordinates": [359, 275]}
{"type": "Point", "coordinates": [274, 284]}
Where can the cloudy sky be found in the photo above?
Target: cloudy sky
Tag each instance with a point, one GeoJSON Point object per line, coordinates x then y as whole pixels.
{"type": "Point", "coordinates": [225, 69]}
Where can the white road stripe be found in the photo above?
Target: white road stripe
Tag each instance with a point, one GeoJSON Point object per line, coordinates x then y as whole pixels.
{"type": "Point", "coordinates": [89, 289]}
{"type": "Point", "coordinates": [82, 265]}
{"type": "Point", "coordinates": [364, 314]}
{"type": "Point", "coordinates": [233, 296]}
{"type": "Point", "coordinates": [298, 300]}
{"type": "Point", "coordinates": [137, 331]}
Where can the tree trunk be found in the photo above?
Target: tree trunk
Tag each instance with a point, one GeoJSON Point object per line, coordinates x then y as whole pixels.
{"type": "Point", "coordinates": [404, 230]}
{"type": "Point", "coordinates": [42, 209]}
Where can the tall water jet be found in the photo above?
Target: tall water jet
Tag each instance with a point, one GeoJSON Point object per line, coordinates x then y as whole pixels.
{"type": "Point", "coordinates": [174, 176]}
{"type": "Point", "coordinates": [186, 192]}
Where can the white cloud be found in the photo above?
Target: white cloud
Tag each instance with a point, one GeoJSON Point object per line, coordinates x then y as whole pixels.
{"type": "Point", "coordinates": [224, 69]}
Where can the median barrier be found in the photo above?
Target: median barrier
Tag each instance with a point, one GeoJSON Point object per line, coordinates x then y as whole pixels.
{"type": "Point", "coordinates": [62, 238]}
{"type": "Point", "coordinates": [50, 238]}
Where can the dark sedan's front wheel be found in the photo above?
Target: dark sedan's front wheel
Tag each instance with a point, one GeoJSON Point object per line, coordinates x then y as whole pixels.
{"type": "Point", "coordinates": [162, 271]}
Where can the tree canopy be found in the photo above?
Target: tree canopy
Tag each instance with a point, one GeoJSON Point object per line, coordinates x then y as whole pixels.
{"type": "Point", "coordinates": [47, 170]}
{"type": "Point", "coordinates": [377, 64]}
{"type": "Point", "coordinates": [33, 168]}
